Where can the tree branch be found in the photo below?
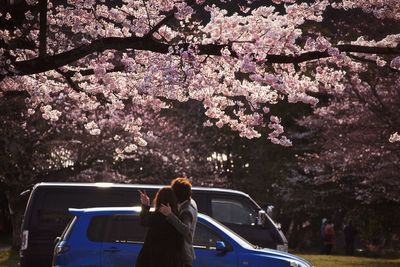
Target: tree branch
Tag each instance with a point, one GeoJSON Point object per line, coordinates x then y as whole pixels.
{"type": "Point", "coordinates": [169, 16]}
{"type": "Point", "coordinates": [365, 60]}
{"type": "Point", "coordinates": [101, 98]}
{"type": "Point", "coordinates": [43, 28]}
{"type": "Point", "coordinates": [161, 23]}
{"type": "Point", "coordinates": [51, 62]}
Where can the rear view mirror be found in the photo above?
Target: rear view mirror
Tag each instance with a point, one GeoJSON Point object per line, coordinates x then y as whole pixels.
{"type": "Point", "coordinates": [220, 246]}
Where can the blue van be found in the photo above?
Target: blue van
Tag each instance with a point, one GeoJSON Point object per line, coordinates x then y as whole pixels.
{"type": "Point", "coordinates": [113, 237]}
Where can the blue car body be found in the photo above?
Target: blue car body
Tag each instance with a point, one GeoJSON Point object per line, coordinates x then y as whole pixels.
{"type": "Point", "coordinates": [83, 244]}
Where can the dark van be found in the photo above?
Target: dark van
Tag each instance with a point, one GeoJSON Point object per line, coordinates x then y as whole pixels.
{"type": "Point", "coordinates": [46, 214]}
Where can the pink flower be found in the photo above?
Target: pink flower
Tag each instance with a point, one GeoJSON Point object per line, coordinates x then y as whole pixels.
{"type": "Point", "coordinates": [395, 63]}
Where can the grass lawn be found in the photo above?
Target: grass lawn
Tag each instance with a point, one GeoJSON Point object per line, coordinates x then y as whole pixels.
{"type": "Point", "coordinates": [8, 258]}
{"type": "Point", "coordinates": [347, 261]}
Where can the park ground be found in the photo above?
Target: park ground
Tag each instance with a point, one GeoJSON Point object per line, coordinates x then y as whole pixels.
{"type": "Point", "coordinates": [347, 261]}
{"type": "Point", "coordinates": [9, 258]}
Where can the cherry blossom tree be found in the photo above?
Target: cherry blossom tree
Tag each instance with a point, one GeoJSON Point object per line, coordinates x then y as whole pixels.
{"type": "Point", "coordinates": [354, 137]}
{"type": "Point", "coordinates": [352, 151]}
{"type": "Point", "coordinates": [34, 150]}
{"type": "Point", "coordinates": [349, 157]}
{"type": "Point", "coordinates": [105, 70]}
{"type": "Point", "coordinates": [235, 57]}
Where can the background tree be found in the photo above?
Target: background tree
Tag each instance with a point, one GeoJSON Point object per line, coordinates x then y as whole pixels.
{"type": "Point", "coordinates": [350, 158]}
{"type": "Point", "coordinates": [343, 149]}
{"type": "Point", "coordinates": [108, 79]}
{"type": "Point", "coordinates": [34, 150]}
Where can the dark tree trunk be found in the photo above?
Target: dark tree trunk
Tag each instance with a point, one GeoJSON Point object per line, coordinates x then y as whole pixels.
{"type": "Point", "coordinates": [295, 234]}
{"type": "Point", "coordinates": [17, 208]}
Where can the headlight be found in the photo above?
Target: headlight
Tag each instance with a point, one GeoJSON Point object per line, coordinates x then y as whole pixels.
{"type": "Point", "coordinates": [298, 264]}
{"type": "Point", "coordinates": [283, 248]}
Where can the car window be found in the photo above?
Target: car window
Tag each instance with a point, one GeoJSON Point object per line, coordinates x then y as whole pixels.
{"type": "Point", "coordinates": [204, 237]}
{"type": "Point", "coordinates": [233, 211]}
{"type": "Point", "coordinates": [116, 229]}
{"type": "Point", "coordinates": [201, 201]}
{"type": "Point", "coordinates": [131, 231]}
{"type": "Point", "coordinates": [97, 228]}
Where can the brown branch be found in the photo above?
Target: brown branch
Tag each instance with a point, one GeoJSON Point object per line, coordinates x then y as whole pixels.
{"type": "Point", "coordinates": [43, 29]}
{"type": "Point", "coordinates": [383, 108]}
{"type": "Point", "coordinates": [365, 60]}
{"type": "Point", "coordinates": [101, 98]}
{"type": "Point", "coordinates": [52, 62]}
{"type": "Point", "coordinates": [86, 72]}
{"type": "Point", "coordinates": [169, 16]}
{"type": "Point", "coordinates": [161, 23]}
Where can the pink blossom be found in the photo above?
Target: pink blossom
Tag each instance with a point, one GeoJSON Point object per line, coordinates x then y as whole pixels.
{"type": "Point", "coordinates": [395, 137]}
{"type": "Point", "coordinates": [395, 63]}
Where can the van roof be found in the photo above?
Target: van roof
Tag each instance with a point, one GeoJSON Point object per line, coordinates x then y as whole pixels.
{"type": "Point", "coordinates": [139, 186]}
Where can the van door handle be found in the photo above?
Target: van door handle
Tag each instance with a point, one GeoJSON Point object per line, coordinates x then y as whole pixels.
{"type": "Point", "coordinates": [112, 250]}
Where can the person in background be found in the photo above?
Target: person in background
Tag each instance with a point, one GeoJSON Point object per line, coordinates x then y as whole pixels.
{"type": "Point", "coordinates": [350, 233]}
{"type": "Point", "coordinates": [329, 237]}
{"type": "Point", "coordinates": [163, 243]}
{"type": "Point", "coordinates": [186, 220]}
{"type": "Point", "coordinates": [322, 235]}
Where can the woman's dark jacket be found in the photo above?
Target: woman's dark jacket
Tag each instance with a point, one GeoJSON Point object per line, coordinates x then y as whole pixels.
{"type": "Point", "coordinates": [163, 244]}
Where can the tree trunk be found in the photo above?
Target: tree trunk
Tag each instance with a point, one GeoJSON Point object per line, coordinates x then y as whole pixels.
{"type": "Point", "coordinates": [16, 205]}
{"type": "Point", "coordinates": [295, 234]}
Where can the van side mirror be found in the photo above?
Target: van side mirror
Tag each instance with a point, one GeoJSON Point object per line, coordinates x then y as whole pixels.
{"type": "Point", "coordinates": [220, 246]}
{"type": "Point", "coordinates": [270, 209]}
{"type": "Point", "coordinates": [56, 240]}
{"type": "Point", "coordinates": [261, 218]}
{"type": "Point", "coordinates": [25, 193]}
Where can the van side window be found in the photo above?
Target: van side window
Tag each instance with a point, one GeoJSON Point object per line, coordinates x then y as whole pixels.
{"type": "Point", "coordinates": [205, 237]}
{"type": "Point", "coordinates": [52, 207]}
{"type": "Point", "coordinates": [233, 211]}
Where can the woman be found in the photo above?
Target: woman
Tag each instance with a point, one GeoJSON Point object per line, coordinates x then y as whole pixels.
{"type": "Point", "coordinates": [163, 244]}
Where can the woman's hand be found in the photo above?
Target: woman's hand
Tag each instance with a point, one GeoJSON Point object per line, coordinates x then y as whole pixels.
{"type": "Point", "coordinates": [166, 210]}
{"type": "Point", "coordinates": [144, 199]}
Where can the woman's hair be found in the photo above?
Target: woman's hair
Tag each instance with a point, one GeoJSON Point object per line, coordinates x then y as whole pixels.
{"type": "Point", "coordinates": [166, 196]}
{"type": "Point", "coordinates": [182, 188]}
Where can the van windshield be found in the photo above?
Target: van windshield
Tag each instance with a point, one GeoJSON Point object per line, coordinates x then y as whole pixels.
{"type": "Point", "coordinates": [243, 242]}
{"type": "Point", "coordinates": [227, 210]}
